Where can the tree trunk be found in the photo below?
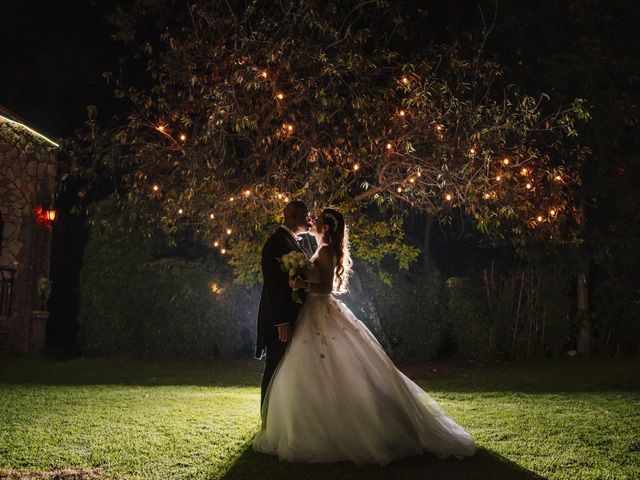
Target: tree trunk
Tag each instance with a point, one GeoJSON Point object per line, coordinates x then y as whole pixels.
{"type": "Point", "coordinates": [583, 313]}
{"type": "Point", "coordinates": [426, 246]}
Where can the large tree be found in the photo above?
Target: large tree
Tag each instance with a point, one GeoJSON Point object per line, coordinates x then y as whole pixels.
{"type": "Point", "coordinates": [251, 104]}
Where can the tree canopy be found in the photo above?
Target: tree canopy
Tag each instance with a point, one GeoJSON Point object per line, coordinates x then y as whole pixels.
{"type": "Point", "coordinates": [252, 104]}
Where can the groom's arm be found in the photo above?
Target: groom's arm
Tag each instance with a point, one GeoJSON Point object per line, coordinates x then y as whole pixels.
{"type": "Point", "coordinates": [276, 285]}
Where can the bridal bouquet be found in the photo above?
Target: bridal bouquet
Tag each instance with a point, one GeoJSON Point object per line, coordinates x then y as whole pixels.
{"type": "Point", "coordinates": [294, 264]}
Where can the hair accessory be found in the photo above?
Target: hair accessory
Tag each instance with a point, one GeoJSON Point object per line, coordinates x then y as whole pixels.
{"type": "Point", "coordinates": [333, 218]}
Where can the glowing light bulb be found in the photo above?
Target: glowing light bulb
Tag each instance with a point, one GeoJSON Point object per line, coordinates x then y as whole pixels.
{"type": "Point", "coordinates": [183, 137]}
{"type": "Point", "coordinates": [290, 128]}
{"type": "Point", "coordinates": [439, 128]}
{"type": "Point", "coordinates": [412, 180]}
{"type": "Point", "coordinates": [405, 80]}
{"type": "Point", "coordinates": [180, 211]}
{"type": "Point", "coordinates": [247, 193]}
{"type": "Point", "coordinates": [216, 243]}
{"type": "Point", "coordinates": [264, 74]}
{"type": "Point", "coordinates": [223, 251]}
{"type": "Point", "coordinates": [212, 216]}
{"type": "Point", "coordinates": [539, 218]}
{"type": "Point", "coordinates": [280, 96]}
{"type": "Point", "coordinates": [505, 161]}
{"type": "Point", "coordinates": [229, 231]}
{"type": "Point", "coordinates": [279, 196]}
{"type": "Point", "coordinates": [399, 190]}
{"type": "Point", "coordinates": [389, 146]}
{"type": "Point", "coordinates": [486, 196]}
{"type": "Point", "coordinates": [552, 212]}
{"type": "Point", "coordinates": [524, 171]}
{"type": "Point", "coordinates": [419, 174]}
{"type": "Point", "coordinates": [558, 178]}
{"type": "Point", "coordinates": [498, 178]}
{"type": "Point", "coordinates": [231, 199]}
{"type": "Point", "coordinates": [448, 197]}
{"type": "Point", "coordinates": [286, 199]}
{"type": "Point", "coordinates": [402, 113]}
{"type": "Point", "coordinates": [160, 128]}
{"type": "Point", "coordinates": [156, 188]}
{"type": "Point", "coordinates": [528, 186]}
{"type": "Point", "coordinates": [472, 151]}
{"type": "Point", "coordinates": [356, 167]}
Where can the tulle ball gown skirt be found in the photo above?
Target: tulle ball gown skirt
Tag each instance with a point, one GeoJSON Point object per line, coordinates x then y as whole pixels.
{"type": "Point", "coordinates": [337, 396]}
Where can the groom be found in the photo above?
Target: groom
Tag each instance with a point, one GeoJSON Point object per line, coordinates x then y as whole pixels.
{"type": "Point", "coordinates": [277, 313]}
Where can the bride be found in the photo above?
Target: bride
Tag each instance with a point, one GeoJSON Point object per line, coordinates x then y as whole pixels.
{"type": "Point", "coordinates": [336, 395]}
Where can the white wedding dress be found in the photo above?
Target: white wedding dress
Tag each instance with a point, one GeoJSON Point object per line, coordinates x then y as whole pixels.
{"type": "Point", "coordinates": [337, 396]}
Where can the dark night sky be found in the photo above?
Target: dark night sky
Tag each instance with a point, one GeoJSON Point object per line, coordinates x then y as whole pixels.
{"type": "Point", "coordinates": [52, 56]}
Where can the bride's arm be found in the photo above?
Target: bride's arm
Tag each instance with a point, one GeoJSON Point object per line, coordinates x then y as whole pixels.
{"type": "Point", "coordinates": [324, 263]}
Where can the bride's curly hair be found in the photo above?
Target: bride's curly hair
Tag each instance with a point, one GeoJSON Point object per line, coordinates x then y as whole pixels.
{"type": "Point", "coordinates": [338, 237]}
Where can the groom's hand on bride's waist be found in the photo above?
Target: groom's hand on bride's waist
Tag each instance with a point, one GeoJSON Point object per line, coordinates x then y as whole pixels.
{"type": "Point", "coordinates": [284, 332]}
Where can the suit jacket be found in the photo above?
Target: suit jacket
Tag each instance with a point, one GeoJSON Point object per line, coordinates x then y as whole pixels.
{"type": "Point", "coordinates": [276, 304]}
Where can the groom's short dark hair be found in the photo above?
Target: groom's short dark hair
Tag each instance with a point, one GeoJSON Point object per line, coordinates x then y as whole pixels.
{"type": "Point", "coordinates": [295, 209]}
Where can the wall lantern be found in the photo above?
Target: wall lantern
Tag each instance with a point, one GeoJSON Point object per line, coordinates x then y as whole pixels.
{"type": "Point", "coordinates": [44, 216]}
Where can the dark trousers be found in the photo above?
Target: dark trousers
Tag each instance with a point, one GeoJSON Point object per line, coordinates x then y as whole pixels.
{"type": "Point", "coordinates": [274, 353]}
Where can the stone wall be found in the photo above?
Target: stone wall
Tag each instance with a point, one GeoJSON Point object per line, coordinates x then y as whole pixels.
{"type": "Point", "coordinates": [27, 178]}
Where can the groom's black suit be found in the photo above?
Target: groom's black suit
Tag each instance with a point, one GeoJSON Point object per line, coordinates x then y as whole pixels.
{"type": "Point", "coordinates": [276, 304]}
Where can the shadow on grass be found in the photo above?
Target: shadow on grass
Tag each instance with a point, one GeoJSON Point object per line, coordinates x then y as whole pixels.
{"type": "Point", "coordinates": [484, 465]}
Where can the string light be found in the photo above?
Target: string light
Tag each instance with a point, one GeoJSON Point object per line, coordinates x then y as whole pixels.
{"type": "Point", "coordinates": [528, 186]}
{"type": "Point", "coordinates": [412, 180]}
{"type": "Point", "coordinates": [558, 178]}
{"type": "Point", "coordinates": [356, 167]}
{"type": "Point", "coordinates": [439, 128]}
{"type": "Point", "coordinates": [212, 216]}
{"type": "Point", "coordinates": [505, 161]}
{"type": "Point", "coordinates": [399, 190]}
{"type": "Point", "coordinates": [231, 199]}
{"type": "Point", "coordinates": [156, 188]}
{"type": "Point", "coordinates": [183, 137]}
{"type": "Point", "coordinates": [486, 196]}
{"type": "Point", "coordinates": [286, 199]}
{"type": "Point", "coordinates": [539, 218]}
{"type": "Point", "coordinates": [280, 96]}
{"type": "Point", "coordinates": [228, 231]}
{"type": "Point", "coordinates": [216, 243]}
{"type": "Point", "coordinates": [524, 171]}
{"type": "Point", "coordinates": [223, 251]}
{"type": "Point", "coordinates": [264, 74]}
{"type": "Point", "coordinates": [498, 178]}
{"type": "Point", "coordinates": [419, 174]}
{"type": "Point", "coordinates": [28, 129]}
{"type": "Point", "coordinates": [290, 128]}
{"type": "Point", "coordinates": [160, 128]}
{"type": "Point", "coordinates": [472, 151]}
{"type": "Point", "coordinates": [405, 80]}
{"type": "Point", "coordinates": [448, 197]}
{"type": "Point", "coordinates": [402, 113]}
{"type": "Point", "coordinates": [552, 212]}
{"type": "Point", "coordinates": [247, 193]}
{"type": "Point", "coordinates": [389, 146]}
{"type": "Point", "coordinates": [180, 211]}
{"type": "Point", "coordinates": [279, 196]}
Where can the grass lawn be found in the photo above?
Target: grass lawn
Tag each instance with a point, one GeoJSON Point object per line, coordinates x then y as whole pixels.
{"type": "Point", "coordinates": [176, 420]}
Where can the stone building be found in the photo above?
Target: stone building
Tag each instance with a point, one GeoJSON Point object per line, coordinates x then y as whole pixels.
{"type": "Point", "coordinates": [27, 186]}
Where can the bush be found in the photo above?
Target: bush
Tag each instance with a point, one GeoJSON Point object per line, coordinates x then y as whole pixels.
{"type": "Point", "coordinates": [134, 303]}
{"type": "Point", "coordinates": [410, 310]}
